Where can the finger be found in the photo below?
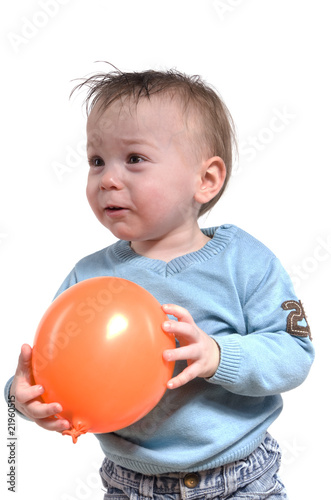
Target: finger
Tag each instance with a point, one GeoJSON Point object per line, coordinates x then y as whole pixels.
{"type": "Point", "coordinates": [183, 378]}
{"type": "Point", "coordinates": [54, 424]}
{"type": "Point", "coordinates": [25, 392]}
{"type": "Point", "coordinates": [24, 360]}
{"type": "Point", "coordinates": [179, 312]}
{"type": "Point", "coordinates": [37, 410]}
{"type": "Point", "coordinates": [190, 352]}
{"type": "Point", "coordinates": [184, 331]}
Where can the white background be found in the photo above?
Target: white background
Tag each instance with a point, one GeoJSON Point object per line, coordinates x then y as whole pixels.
{"type": "Point", "coordinates": [267, 58]}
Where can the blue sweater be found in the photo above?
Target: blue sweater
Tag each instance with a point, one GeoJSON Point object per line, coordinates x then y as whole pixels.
{"type": "Point", "coordinates": [237, 292]}
{"type": "Point", "coordinates": [235, 289]}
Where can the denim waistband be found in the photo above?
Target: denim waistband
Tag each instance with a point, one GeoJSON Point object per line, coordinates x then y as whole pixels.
{"type": "Point", "coordinates": [203, 484]}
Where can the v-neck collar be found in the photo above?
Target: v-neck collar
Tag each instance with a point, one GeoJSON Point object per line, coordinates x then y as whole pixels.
{"type": "Point", "coordinates": [220, 237]}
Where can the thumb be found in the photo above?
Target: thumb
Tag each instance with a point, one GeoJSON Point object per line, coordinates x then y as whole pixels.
{"type": "Point", "coordinates": [24, 360]}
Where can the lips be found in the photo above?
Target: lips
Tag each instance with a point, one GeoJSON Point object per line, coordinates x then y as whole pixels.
{"type": "Point", "coordinates": [115, 210]}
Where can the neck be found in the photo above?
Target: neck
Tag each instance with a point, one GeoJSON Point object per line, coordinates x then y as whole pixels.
{"type": "Point", "coordinates": [173, 246]}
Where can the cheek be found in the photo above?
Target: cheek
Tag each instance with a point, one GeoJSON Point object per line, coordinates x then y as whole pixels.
{"type": "Point", "coordinates": [153, 196]}
{"type": "Point", "coordinates": [91, 194]}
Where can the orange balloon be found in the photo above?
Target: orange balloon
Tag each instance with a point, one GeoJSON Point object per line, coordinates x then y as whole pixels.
{"type": "Point", "coordinates": [98, 352]}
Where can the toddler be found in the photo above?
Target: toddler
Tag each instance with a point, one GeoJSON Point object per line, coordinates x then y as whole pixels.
{"type": "Point", "coordinates": [159, 146]}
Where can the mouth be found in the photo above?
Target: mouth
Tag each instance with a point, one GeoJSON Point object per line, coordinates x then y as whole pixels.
{"type": "Point", "coordinates": [114, 210]}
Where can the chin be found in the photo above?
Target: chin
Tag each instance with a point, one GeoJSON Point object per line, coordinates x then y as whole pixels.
{"type": "Point", "coordinates": [120, 235]}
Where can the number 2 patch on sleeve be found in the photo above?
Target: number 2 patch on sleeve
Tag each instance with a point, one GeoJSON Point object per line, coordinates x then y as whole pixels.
{"type": "Point", "coordinates": [298, 314]}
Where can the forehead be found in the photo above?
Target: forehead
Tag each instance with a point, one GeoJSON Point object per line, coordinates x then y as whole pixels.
{"type": "Point", "coordinates": [145, 111]}
{"type": "Point", "coordinates": [161, 117]}
{"type": "Point", "coordinates": [162, 120]}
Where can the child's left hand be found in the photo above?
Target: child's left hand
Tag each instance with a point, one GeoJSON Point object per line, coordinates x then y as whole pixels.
{"type": "Point", "coordinates": [201, 351]}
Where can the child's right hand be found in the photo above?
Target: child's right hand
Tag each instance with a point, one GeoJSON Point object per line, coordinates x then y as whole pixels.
{"type": "Point", "coordinates": [27, 396]}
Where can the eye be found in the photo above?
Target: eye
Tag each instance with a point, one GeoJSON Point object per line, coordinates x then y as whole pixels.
{"type": "Point", "coordinates": [135, 159]}
{"type": "Point", "coordinates": [96, 161]}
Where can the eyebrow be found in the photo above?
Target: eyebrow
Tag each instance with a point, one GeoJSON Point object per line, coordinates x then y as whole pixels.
{"type": "Point", "coordinates": [126, 142]}
{"type": "Point", "coordinates": [136, 140]}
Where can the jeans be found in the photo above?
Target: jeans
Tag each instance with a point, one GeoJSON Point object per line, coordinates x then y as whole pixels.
{"type": "Point", "coordinates": [252, 478]}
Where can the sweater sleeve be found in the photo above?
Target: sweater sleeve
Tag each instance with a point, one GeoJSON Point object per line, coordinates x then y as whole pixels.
{"type": "Point", "coordinates": [276, 352]}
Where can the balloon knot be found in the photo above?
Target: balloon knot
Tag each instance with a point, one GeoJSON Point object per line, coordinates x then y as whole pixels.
{"type": "Point", "coordinates": [75, 432]}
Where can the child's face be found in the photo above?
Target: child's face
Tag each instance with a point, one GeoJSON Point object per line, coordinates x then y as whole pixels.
{"type": "Point", "coordinates": [143, 170]}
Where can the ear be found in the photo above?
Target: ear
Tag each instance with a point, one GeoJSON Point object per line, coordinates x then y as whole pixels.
{"type": "Point", "coordinates": [212, 177]}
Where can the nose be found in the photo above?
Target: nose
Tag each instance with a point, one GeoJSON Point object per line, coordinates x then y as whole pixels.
{"type": "Point", "coordinates": [111, 179]}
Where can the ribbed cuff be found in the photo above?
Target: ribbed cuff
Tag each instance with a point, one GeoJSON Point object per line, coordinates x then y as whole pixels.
{"type": "Point", "coordinates": [228, 369]}
{"type": "Point", "coordinates": [7, 389]}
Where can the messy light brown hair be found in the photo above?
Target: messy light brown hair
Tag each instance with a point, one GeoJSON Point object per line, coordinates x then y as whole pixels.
{"type": "Point", "coordinates": [216, 127]}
